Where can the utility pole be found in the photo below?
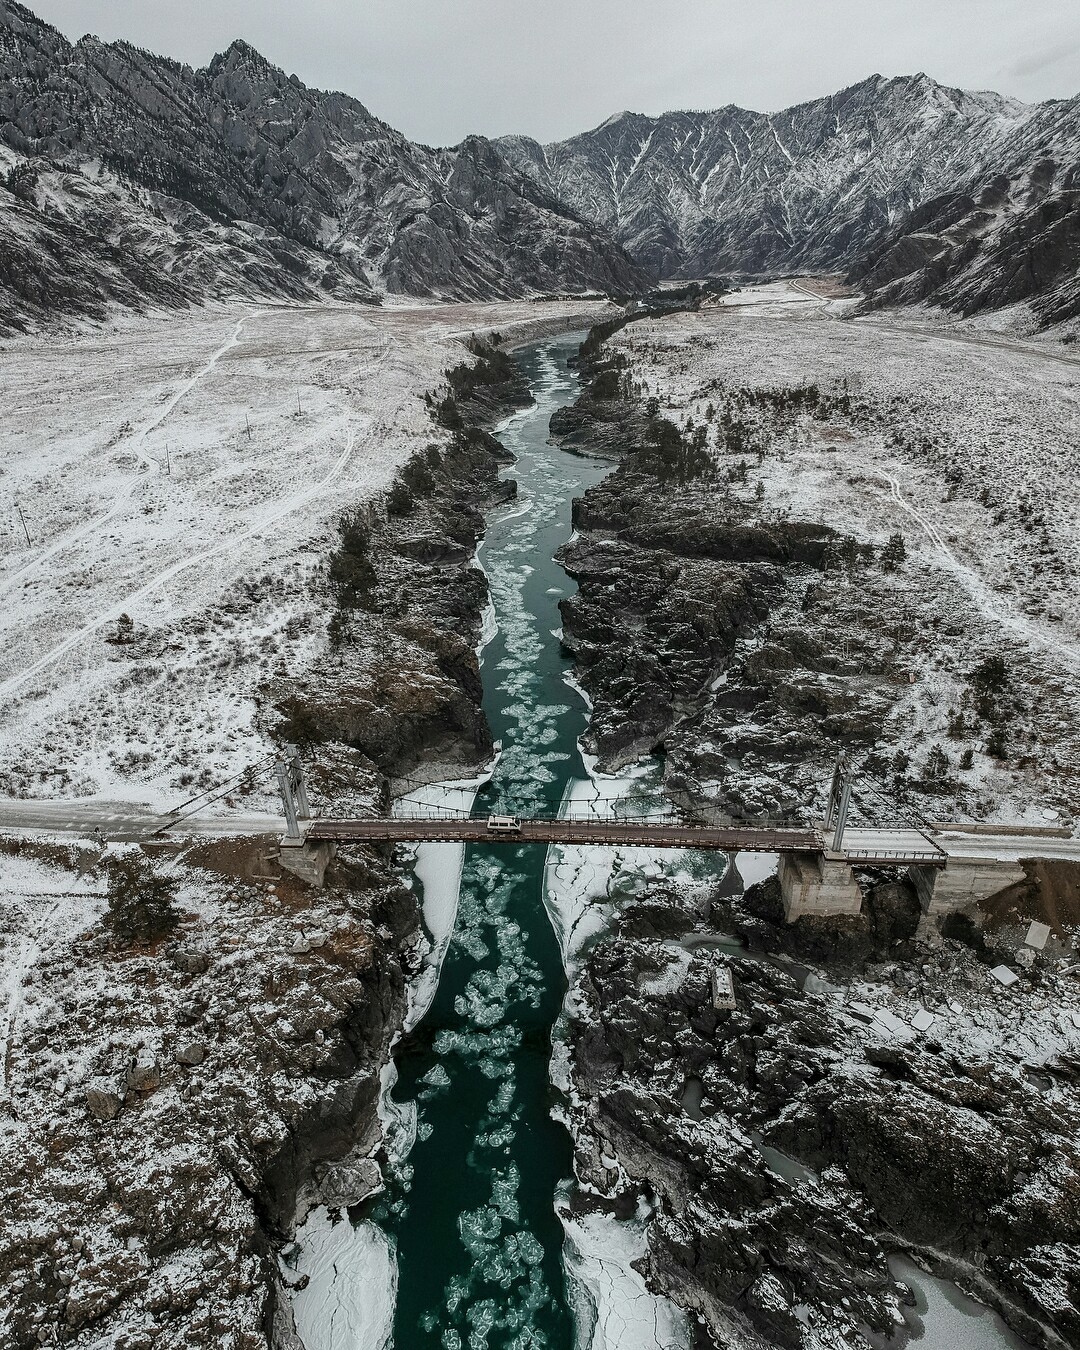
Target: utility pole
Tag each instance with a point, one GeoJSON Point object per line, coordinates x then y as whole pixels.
{"type": "Point", "coordinates": [247, 423]}
{"type": "Point", "coordinates": [22, 518]}
{"type": "Point", "coordinates": [299, 409]}
{"type": "Point", "coordinates": [168, 460]}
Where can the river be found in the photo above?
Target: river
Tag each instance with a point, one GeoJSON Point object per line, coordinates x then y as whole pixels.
{"type": "Point", "coordinates": [466, 1250]}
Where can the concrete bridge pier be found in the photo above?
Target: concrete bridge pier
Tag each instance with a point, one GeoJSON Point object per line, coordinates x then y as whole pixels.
{"type": "Point", "coordinates": [307, 859]}
{"type": "Point", "coordinates": [958, 887]}
{"type": "Point", "coordinates": [813, 883]}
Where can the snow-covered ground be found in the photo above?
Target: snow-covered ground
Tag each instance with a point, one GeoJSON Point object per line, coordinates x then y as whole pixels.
{"type": "Point", "coordinates": [187, 472]}
{"type": "Point", "coordinates": [972, 453]}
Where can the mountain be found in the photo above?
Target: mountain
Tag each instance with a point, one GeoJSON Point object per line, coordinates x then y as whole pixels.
{"type": "Point", "coordinates": [1009, 233]}
{"type": "Point", "coordinates": [129, 179]}
{"type": "Point", "coordinates": [132, 179]}
{"type": "Point", "coordinates": [690, 194]}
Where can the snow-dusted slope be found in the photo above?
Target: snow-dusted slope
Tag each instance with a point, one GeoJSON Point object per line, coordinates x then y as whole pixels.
{"type": "Point", "coordinates": [160, 181]}
{"type": "Point", "coordinates": [1011, 234]}
{"type": "Point", "coordinates": [693, 193]}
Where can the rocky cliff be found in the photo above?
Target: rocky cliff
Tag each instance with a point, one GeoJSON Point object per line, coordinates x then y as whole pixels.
{"type": "Point", "coordinates": [789, 1145]}
{"type": "Point", "coordinates": [132, 179]}
{"type": "Point", "coordinates": [1008, 234]}
{"type": "Point", "coordinates": [173, 1102]}
{"type": "Point", "coordinates": [863, 1093]}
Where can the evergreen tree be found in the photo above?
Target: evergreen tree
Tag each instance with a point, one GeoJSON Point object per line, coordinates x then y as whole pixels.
{"type": "Point", "coordinates": [894, 553]}
{"type": "Point", "coordinates": [141, 909]}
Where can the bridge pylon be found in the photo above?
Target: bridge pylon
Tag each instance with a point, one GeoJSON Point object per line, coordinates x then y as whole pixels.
{"type": "Point", "coordinates": [294, 798]}
{"type": "Point", "coordinates": [839, 803]}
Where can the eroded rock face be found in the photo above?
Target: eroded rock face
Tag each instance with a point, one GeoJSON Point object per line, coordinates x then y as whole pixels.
{"type": "Point", "coordinates": [147, 182]}
{"type": "Point", "coordinates": [147, 1208]}
{"type": "Point", "coordinates": [871, 1140]}
{"type": "Point", "coordinates": [712, 635]}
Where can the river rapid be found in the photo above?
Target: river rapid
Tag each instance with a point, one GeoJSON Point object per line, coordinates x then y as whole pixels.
{"type": "Point", "coordinates": [473, 1245]}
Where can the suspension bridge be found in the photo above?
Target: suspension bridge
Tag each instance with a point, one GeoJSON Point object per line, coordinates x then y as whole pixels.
{"type": "Point", "coordinates": [951, 865]}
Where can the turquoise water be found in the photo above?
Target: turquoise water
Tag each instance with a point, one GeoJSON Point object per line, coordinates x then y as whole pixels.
{"type": "Point", "coordinates": [479, 1247]}
{"type": "Point", "coordinates": [478, 1242]}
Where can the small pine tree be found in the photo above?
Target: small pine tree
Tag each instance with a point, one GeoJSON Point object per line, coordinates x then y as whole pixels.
{"type": "Point", "coordinates": [399, 500]}
{"type": "Point", "coordinates": [997, 745]}
{"type": "Point", "coordinates": [967, 759]}
{"type": "Point", "coordinates": [893, 553]}
{"type": "Point", "coordinates": [141, 909]}
{"type": "Point", "coordinates": [937, 765]}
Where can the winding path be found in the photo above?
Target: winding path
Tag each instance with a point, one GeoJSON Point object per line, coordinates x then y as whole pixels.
{"type": "Point", "coordinates": [980, 592]}
{"type": "Point", "coordinates": [10, 686]}
{"type": "Point", "coordinates": [134, 442]}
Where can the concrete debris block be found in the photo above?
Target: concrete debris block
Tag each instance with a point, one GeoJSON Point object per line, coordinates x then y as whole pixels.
{"type": "Point", "coordinates": [1004, 975]}
{"type": "Point", "coordinates": [892, 1023]}
{"type": "Point", "coordinates": [1075, 1016]}
{"type": "Point", "coordinates": [723, 988]}
{"type": "Point", "coordinates": [102, 1102]}
{"type": "Point", "coordinates": [862, 1011]}
{"type": "Point", "coordinates": [923, 1020]}
{"type": "Point", "coordinates": [317, 939]}
{"type": "Point", "coordinates": [143, 1074]}
{"type": "Point", "coordinates": [300, 947]}
{"type": "Point", "coordinates": [1037, 934]}
{"type": "Point", "coordinates": [194, 1052]}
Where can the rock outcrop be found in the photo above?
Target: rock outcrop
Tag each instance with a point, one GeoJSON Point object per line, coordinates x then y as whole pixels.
{"type": "Point", "coordinates": [789, 1146]}
{"type": "Point", "coordinates": [129, 179]}
{"type": "Point", "coordinates": [715, 631]}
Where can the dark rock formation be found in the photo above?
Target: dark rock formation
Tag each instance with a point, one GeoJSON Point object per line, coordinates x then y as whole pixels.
{"type": "Point", "coordinates": [869, 1144]}
{"type": "Point", "coordinates": [138, 180]}
{"type": "Point", "coordinates": [400, 685]}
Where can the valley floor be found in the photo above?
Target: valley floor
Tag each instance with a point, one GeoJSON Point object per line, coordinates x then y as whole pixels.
{"type": "Point", "coordinates": [966, 443]}
{"type": "Point", "coordinates": [187, 472]}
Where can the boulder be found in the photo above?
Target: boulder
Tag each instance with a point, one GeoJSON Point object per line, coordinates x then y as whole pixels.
{"type": "Point", "coordinates": [102, 1102]}
{"type": "Point", "coordinates": [143, 1074]}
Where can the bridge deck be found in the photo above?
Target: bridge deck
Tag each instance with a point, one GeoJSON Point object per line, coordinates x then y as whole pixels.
{"type": "Point", "coordinates": [734, 839]}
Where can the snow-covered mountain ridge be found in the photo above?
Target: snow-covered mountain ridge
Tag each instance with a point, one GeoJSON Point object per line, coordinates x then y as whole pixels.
{"type": "Point", "coordinates": [138, 178]}
{"type": "Point", "coordinates": [690, 193]}
{"type": "Point", "coordinates": [920, 191]}
{"type": "Point", "coordinates": [132, 178]}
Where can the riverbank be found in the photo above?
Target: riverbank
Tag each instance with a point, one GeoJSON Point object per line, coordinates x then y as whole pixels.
{"type": "Point", "coordinates": [846, 1106]}
{"type": "Point", "coordinates": [173, 1107]}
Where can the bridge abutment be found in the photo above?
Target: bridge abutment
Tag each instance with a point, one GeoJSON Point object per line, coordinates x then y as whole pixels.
{"type": "Point", "coordinates": [959, 886]}
{"type": "Point", "coordinates": [307, 860]}
{"type": "Point", "coordinates": [812, 883]}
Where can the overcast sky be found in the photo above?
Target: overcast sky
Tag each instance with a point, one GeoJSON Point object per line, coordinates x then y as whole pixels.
{"type": "Point", "coordinates": [439, 69]}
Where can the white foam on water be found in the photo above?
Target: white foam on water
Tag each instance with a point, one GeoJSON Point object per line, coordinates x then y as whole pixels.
{"type": "Point", "coordinates": [348, 1303]}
